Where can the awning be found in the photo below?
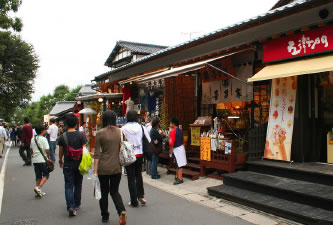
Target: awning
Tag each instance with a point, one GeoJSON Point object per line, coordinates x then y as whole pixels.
{"type": "Point", "coordinates": [180, 70]}
{"type": "Point", "coordinates": [299, 67]}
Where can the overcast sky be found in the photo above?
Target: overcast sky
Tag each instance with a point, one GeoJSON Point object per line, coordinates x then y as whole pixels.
{"type": "Point", "coordinates": [73, 38]}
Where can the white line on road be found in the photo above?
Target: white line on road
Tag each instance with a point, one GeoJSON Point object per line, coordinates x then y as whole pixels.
{"type": "Point", "coordinates": [2, 176]}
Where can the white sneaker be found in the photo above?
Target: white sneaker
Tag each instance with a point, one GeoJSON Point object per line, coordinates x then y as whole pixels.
{"type": "Point", "coordinates": [43, 193]}
{"type": "Point", "coordinates": [38, 191]}
{"type": "Point", "coordinates": [142, 201]}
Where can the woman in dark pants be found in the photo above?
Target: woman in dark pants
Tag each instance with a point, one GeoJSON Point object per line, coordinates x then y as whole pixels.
{"type": "Point", "coordinates": [134, 133]}
{"type": "Point", "coordinates": [107, 166]}
{"type": "Point", "coordinates": [157, 140]}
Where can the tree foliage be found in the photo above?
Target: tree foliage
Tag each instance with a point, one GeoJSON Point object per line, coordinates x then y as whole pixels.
{"type": "Point", "coordinates": [35, 111]}
{"type": "Point", "coordinates": [7, 7]}
{"type": "Point", "coordinates": [18, 68]}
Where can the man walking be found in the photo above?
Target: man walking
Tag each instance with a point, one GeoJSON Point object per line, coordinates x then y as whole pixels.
{"type": "Point", "coordinates": [71, 144]}
{"type": "Point", "coordinates": [3, 138]}
{"type": "Point", "coordinates": [53, 132]}
{"type": "Point", "coordinates": [25, 142]}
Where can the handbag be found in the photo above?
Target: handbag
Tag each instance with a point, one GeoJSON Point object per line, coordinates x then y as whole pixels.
{"type": "Point", "coordinates": [126, 152]}
{"type": "Point", "coordinates": [146, 146]}
{"type": "Point", "coordinates": [157, 148]}
{"type": "Point", "coordinates": [49, 163]}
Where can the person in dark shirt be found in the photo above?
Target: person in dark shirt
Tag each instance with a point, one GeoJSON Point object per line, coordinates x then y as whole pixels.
{"type": "Point", "coordinates": [72, 139]}
{"type": "Point", "coordinates": [25, 143]}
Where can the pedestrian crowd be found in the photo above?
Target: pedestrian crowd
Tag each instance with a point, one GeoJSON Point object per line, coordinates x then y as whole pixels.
{"type": "Point", "coordinates": [37, 147]}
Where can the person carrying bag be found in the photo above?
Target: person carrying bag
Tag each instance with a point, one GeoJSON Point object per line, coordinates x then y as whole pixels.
{"type": "Point", "coordinates": [42, 165]}
{"type": "Point", "coordinates": [107, 165]}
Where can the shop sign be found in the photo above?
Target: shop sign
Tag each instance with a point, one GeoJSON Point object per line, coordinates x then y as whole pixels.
{"type": "Point", "coordinates": [195, 136]}
{"type": "Point", "coordinates": [281, 119]}
{"type": "Point", "coordinates": [205, 149]}
{"type": "Point", "coordinates": [298, 45]}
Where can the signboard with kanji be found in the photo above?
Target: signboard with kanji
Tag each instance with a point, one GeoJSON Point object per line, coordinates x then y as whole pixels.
{"type": "Point", "coordinates": [205, 150]}
{"type": "Point", "coordinates": [195, 136]}
{"type": "Point", "coordinates": [315, 41]}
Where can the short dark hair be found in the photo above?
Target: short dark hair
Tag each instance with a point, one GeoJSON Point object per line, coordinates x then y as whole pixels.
{"type": "Point", "coordinates": [52, 120]}
{"type": "Point", "coordinates": [71, 121]}
{"type": "Point", "coordinates": [109, 118]}
{"type": "Point", "coordinates": [175, 121]}
{"type": "Point", "coordinates": [26, 120]}
{"type": "Point", "coordinates": [132, 116]}
{"type": "Point", "coordinates": [39, 129]}
{"type": "Point", "coordinates": [155, 122]}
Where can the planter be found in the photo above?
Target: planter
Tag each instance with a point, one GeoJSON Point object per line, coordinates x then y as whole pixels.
{"type": "Point", "coordinates": [241, 158]}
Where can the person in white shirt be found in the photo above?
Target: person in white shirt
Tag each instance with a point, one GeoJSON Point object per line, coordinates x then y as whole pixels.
{"type": "Point", "coordinates": [3, 138]}
{"type": "Point", "coordinates": [134, 133]}
{"type": "Point", "coordinates": [53, 132]}
{"type": "Point", "coordinates": [39, 143]}
{"type": "Point", "coordinates": [83, 128]}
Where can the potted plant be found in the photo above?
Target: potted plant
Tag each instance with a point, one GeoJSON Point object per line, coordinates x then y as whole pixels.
{"type": "Point", "coordinates": [241, 154]}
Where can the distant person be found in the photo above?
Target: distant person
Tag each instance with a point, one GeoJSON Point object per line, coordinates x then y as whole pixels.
{"type": "Point", "coordinates": [107, 166]}
{"type": "Point", "coordinates": [133, 132]}
{"type": "Point", "coordinates": [13, 136]}
{"type": "Point", "coordinates": [176, 147]}
{"type": "Point", "coordinates": [3, 138]}
{"type": "Point", "coordinates": [39, 143]}
{"type": "Point", "coordinates": [19, 134]}
{"type": "Point", "coordinates": [53, 132]}
{"type": "Point", "coordinates": [27, 135]}
{"type": "Point", "coordinates": [71, 144]}
{"type": "Point", "coordinates": [83, 128]}
{"type": "Point", "coordinates": [148, 163]}
{"type": "Point", "coordinates": [157, 140]}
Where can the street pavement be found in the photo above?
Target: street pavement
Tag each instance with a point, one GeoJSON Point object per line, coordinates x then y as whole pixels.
{"type": "Point", "coordinates": [20, 207]}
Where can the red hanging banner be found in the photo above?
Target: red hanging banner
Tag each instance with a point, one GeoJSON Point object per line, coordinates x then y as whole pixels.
{"type": "Point", "coordinates": [298, 45]}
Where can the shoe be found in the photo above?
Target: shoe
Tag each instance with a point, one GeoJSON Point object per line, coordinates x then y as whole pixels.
{"type": "Point", "coordinates": [133, 206]}
{"type": "Point", "coordinates": [105, 219]}
{"type": "Point", "coordinates": [122, 218]}
{"type": "Point", "coordinates": [156, 177]}
{"type": "Point", "coordinates": [38, 191]}
{"type": "Point", "coordinates": [178, 182]}
{"type": "Point", "coordinates": [142, 201]}
{"type": "Point", "coordinates": [43, 193]}
{"type": "Point", "coordinates": [36, 196]}
{"type": "Point", "coordinates": [72, 212]}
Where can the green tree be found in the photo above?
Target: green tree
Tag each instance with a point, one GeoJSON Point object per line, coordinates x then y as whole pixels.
{"type": "Point", "coordinates": [7, 8]}
{"type": "Point", "coordinates": [73, 93]}
{"type": "Point", "coordinates": [19, 65]}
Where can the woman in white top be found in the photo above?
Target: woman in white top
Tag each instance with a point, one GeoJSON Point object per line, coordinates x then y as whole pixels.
{"type": "Point", "coordinates": [134, 133]}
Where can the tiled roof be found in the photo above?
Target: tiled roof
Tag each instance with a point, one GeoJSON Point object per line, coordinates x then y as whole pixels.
{"type": "Point", "coordinates": [289, 7]}
{"type": "Point", "coordinates": [87, 90]}
{"type": "Point", "coordinates": [140, 47]}
{"type": "Point", "coordinates": [134, 47]}
{"type": "Point", "coordinates": [62, 107]}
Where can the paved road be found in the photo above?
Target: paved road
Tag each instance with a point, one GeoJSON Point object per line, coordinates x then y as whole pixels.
{"type": "Point", "coordinates": [20, 206]}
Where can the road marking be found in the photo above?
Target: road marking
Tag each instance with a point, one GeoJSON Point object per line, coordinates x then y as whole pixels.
{"type": "Point", "coordinates": [2, 175]}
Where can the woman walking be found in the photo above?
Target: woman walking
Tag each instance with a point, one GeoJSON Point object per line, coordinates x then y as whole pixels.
{"type": "Point", "coordinates": [134, 133]}
{"type": "Point", "coordinates": [107, 166]}
{"type": "Point", "coordinates": [157, 140]}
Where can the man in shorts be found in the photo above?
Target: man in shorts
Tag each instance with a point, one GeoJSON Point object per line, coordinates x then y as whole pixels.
{"type": "Point", "coordinates": [40, 143]}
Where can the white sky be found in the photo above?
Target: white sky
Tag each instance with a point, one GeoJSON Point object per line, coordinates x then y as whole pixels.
{"type": "Point", "coordinates": [73, 38]}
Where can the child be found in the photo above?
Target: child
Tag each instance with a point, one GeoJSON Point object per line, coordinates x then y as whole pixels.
{"type": "Point", "coordinates": [40, 166]}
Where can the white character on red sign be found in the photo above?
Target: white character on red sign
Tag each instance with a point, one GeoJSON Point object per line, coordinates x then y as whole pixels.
{"type": "Point", "coordinates": [292, 48]}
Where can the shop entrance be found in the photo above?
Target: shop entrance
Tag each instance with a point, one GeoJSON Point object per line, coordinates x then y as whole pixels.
{"type": "Point", "coordinates": [313, 118]}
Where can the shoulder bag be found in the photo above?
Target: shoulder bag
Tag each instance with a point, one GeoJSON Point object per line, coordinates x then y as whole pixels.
{"type": "Point", "coordinates": [72, 153]}
{"type": "Point", "coordinates": [126, 152]}
{"type": "Point", "coordinates": [146, 146]}
{"type": "Point", "coordinates": [49, 163]}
